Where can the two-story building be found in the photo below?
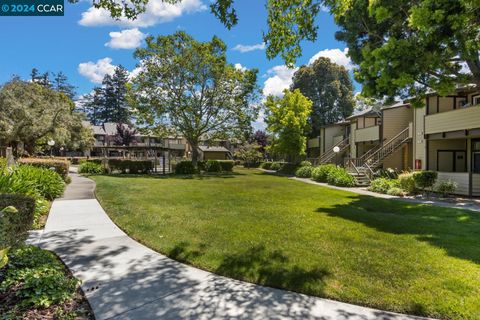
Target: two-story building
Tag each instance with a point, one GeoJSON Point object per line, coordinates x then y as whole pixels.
{"type": "Point", "coordinates": [442, 136]}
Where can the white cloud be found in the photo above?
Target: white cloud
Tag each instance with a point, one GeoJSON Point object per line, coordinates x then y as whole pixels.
{"type": "Point", "coordinates": [125, 39]}
{"type": "Point", "coordinates": [336, 56]}
{"type": "Point", "coordinates": [279, 80]}
{"type": "Point", "coordinates": [95, 71]}
{"type": "Point", "coordinates": [157, 11]}
{"type": "Point", "coordinates": [247, 48]}
{"type": "Point", "coordinates": [239, 66]}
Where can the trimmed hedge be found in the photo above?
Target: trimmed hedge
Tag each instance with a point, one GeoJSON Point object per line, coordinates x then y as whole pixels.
{"type": "Point", "coordinates": [91, 168]}
{"type": "Point", "coordinates": [130, 166]}
{"type": "Point", "coordinates": [227, 165]}
{"type": "Point", "coordinates": [15, 223]}
{"type": "Point", "coordinates": [185, 167]}
{"type": "Point", "coordinates": [61, 166]}
{"type": "Point", "coordinates": [124, 165]}
{"type": "Point", "coordinates": [213, 166]}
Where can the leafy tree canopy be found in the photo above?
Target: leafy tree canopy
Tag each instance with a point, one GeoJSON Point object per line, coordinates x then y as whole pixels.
{"type": "Point", "coordinates": [329, 87]}
{"type": "Point", "coordinates": [188, 85]}
{"type": "Point", "coordinates": [287, 120]}
{"type": "Point", "coordinates": [32, 113]}
{"type": "Point", "coordinates": [402, 48]}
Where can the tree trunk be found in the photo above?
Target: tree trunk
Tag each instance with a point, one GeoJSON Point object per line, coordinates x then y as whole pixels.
{"type": "Point", "coordinates": [194, 154]}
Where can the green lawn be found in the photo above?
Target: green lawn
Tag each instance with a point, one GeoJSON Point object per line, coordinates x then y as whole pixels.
{"type": "Point", "coordinates": [282, 233]}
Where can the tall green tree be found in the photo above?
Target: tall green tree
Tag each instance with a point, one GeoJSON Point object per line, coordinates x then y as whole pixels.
{"type": "Point", "coordinates": [31, 113]}
{"type": "Point", "coordinates": [287, 120]}
{"type": "Point", "coordinates": [109, 103]}
{"type": "Point", "coordinates": [60, 84]}
{"type": "Point", "coordinates": [188, 85]}
{"type": "Point", "coordinates": [330, 89]}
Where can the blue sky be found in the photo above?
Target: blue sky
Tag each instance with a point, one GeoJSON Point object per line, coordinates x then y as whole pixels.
{"type": "Point", "coordinates": [85, 43]}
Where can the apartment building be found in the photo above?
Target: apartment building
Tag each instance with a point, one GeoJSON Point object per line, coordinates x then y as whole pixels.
{"type": "Point", "coordinates": [443, 136]}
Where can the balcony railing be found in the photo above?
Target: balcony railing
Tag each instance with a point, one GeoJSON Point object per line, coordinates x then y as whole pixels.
{"type": "Point", "coordinates": [453, 120]}
{"type": "Point", "coordinates": [367, 134]}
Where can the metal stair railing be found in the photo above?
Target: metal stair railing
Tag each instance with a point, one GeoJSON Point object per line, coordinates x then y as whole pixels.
{"type": "Point", "coordinates": [375, 159]}
{"type": "Point", "coordinates": [328, 156]}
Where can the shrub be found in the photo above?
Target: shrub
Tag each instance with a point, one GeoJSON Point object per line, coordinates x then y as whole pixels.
{"type": "Point", "coordinates": [382, 185]}
{"type": "Point", "coordinates": [395, 192]}
{"type": "Point", "coordinates": [305, 164]}
{"type": "Point", "coordinates": [425, 179]}
{"type": "Point", "coordinates": [91, 168]}
{"type": "Point", "coordinates": [288, 168]}
{"type": "Point", "coordinates": [276, 166]}
{"type": "Point", "coordinates": [320, 173]}
{"type": "Point", "coordinates": [77, 160]}
{"type": "Point", "coordinates": [16, 220]}
{"type": "Point", "coordinates": [97, 161]}
{"type": "Point", "coordinates": [340, 177]}
{"type": "Point", "coordinates": [130, 166]}
{"type": "Point", "coordinates": [213, 166]}
{"type": "Point", "coordinates": [304, 172]}
{"type": "Point", "coordinates": [42, 207]}
{"type": "Point", "coordinates": [32, 181]}
{"type": "Point", "coordinates": [266, 165]}
{"type": "Point", "coordinates": [38, 277]}
{"type": "Point", "coordinates": [407, 182]}
{"type": "Point", "coordinates": [47, 183]}
{"type": "Point", "coordinates": [227, 165]}
{"type": "Point", "coordinates": [388, 173]}
{"type": "Point", "coordinates": [185, 167]}
{"type": "Point", "coordinates": [61, 166]}
{"type": "Point", "coordinates": [446, 187]}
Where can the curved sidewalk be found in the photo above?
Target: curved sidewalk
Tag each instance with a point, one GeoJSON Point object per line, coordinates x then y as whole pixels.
{"type": "Point", "coordinates": [123, 279]}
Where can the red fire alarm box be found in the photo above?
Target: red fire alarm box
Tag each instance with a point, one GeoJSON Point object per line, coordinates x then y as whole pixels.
{"type": "Point", "coordinates": [418, 164]}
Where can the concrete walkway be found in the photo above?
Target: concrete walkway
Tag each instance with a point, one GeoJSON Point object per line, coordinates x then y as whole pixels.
{"type": "Point", "coordinates": [123, 279]}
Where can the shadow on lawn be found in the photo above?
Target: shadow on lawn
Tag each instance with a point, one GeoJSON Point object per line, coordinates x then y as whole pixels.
{"type": "Point", "coordinates": [260, 265]}
{"type": "Point", "coordinates": [454, 230]}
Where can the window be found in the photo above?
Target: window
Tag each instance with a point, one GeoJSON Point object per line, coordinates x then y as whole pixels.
{"type": "Point", "coordinates": [451, 161]}
{"type": "Point", "coordinates": [476, 100]}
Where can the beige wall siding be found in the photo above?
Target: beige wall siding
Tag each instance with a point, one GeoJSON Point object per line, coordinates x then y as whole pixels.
{"type": "Point", "coordinates": [330, 133]}
{"type": "Point", "coordinates": [461, 178]}
{"type": "Point", "coordinates": [209, 155]}
{"type": "Point", "coordinates": [460, 119]}
{"type": "Point", "coordinates": [368, 134]}
{"type": "Point", "coordinates": [476, 185]}
{"type": "Point", "coordinates": [394, 120]}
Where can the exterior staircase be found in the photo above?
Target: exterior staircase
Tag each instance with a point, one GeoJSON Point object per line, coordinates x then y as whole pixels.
{"type": "Point", "coordinates": [329, 156]}
{"type": "Point", "coordinates": [363, 168]}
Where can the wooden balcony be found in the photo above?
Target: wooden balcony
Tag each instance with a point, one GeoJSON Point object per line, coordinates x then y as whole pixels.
{"type": "Point", "coordinates": [453, 120]}
{"type": "Point", "coordinates": [367, 134]}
